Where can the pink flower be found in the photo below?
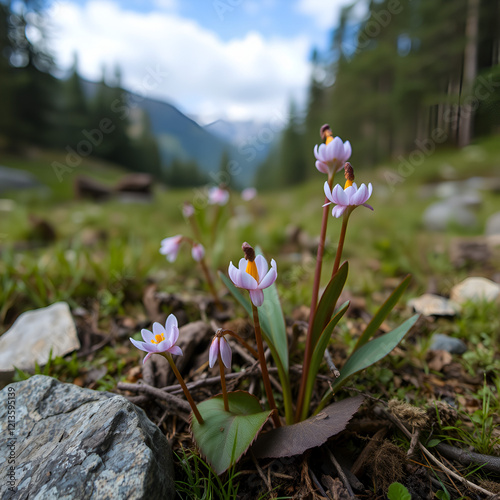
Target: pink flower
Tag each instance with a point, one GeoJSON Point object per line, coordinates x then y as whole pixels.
{"type": "Point", "coordinates": [218, 196]}
{"type": "Point", "coordinates": [248, 194]}
{"type": "Point", "coordinates": [219, 344]}
{"type": "Point", "coordinates": [170, 247]}
{"type": "Point", "coordinates": [197, 252]}
{"type": "Point", "coordinates": [187, 210]}
{"type": "Point", "coordinates": [332, 156]}
{"type": "Point", "coordinates": [348, 198]}
{"type": "Point", "coordinates": [162, 339]}
{"type": "Point", "coordinates": [253, 275]}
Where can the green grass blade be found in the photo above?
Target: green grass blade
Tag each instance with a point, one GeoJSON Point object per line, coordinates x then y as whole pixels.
{"type": "Point", "coordinates": [382, 313]}
{"type": "Point", "coordinates": [328, 302]}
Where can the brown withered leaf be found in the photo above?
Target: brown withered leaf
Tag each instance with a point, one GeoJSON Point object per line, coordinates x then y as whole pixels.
{"type": "Point", "coordinates": [294, 439]}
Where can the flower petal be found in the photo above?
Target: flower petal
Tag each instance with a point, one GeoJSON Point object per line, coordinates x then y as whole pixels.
{"type": "Point", "coordinates": [171, 330]}
{"type": "Point", "coordinates": [338, 210]}
{"type": "Point", "coordinates": [225, 352]}
{"type": "Point", "coordinates": [328, 192]}
{"type": "Point", "coordinates": [268, 279]}
{"type": "Point", "coordinates": [147, 335]}
{"type": "Point", "coordinates": [148, 355]}
{"type": "Point", "coordinates": [247, 281]}
{"type": "Point", "coordinates": [213, 352]}
{"type": "Point", "coordinates": [347, 150]}
{"type": "Point", "coordinates": [368, 206]}
{"type": "Point", "coordinates": [158, 329]}
{"type": "Point", "coordinates": [322, 167]}
{"type": "Point", "coordinates": [257, 297]}
{"type": "Point", "coordinates": [262, 266]}
{"type": "Point", "coordinates": [233, 272]}
{"type": "Point", "coordinates": [359, 197]}
{"type": "Point", "coordinates": [339, 196]}
{"type": "Point", "coordinates": [176, 350]}
{"type": "Point", "coordinates": [143, 346]}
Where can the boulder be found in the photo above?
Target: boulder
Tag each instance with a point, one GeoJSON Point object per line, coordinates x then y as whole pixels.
{"type": "Point", "coordinates": [440, 215]}
{"type": "Point", "coordinates": [13, 178]}
{"type": "Point", "coordinates": [66, 442]}
{"type": "Point", "coordinates": [493, 225]}
{"type": "Point", "coordinates": [441, 342]}
{"type": "Point", "coordinates": [476, 290]}
{"type": "Point", "coordinates": [33, 335]}
{"type": "Point", "coordinates": [434, 305]}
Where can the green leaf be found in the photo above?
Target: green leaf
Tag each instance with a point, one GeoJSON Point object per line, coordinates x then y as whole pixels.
{"type": "Point", "coordinates": [317, 356]}
{"type": "Point", "coordinates": [328, 301]}
{"type": "Point", "coordinates": [397, 491]}
{"type": "Point", "coordinates": [225, 436]}
{"type": "Point", "coordinates": [369, 354]}
{"type": "Point", "coordinates": [433, 442]}
{"type": "Point", "coordinates": [382, 313]}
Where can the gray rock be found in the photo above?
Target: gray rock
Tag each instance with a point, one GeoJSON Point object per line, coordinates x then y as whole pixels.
{"type": "Point", "coordinates": [33, 335]}
{"type": "Point", "coordinates": [441, 342]}
{"type": "Point", "coordinates": [434, 305]}
{"type": "Point", "coordinates": [475, 290]}
{"type": "Point", "coordinates": [439, 215]}
{"type": "Point", "coordinates": [493, 225]}
{"type": "Point", "coordinates": [13, 178]}
{"type": "Point", "coordinates": [72, 443]}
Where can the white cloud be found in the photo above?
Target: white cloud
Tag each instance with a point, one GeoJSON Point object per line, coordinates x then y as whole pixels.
{"type": "Point", "coordinates": [325, 13]}
{"type": "Point", "coordinates": [246, 78]}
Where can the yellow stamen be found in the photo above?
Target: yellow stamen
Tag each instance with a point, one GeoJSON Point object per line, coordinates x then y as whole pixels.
{"type": "Point", "coordinates": [158, 339]}
{"type": "Point", "coordinates": [347, 184]}
{"type": "Point", "coordinates": [329, 139]}
{"type": "Point", "coordinates": [252, 270]}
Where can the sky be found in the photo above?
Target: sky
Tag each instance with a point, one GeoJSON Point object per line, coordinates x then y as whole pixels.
{"type": "Point", "coordinates": [235, 60]}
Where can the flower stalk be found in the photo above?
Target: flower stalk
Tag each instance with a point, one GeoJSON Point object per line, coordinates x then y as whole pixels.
{"type": "Point", "coordinates": [178, 375]}
{"type": "Point", "coordinates": [223, 379]}
{"type": "Point", "coordinates": [210, 283]}
{"type": "Point", "coordinates": [263, 367]}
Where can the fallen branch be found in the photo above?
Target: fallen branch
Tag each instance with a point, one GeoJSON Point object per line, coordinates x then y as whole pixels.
{"type": "Point", "coordinates": [465, 457]}
{"type": "Point", "coordinates": [157, 393]}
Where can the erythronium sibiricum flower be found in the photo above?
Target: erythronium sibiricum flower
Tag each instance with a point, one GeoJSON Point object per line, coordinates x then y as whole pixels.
{"type": "Point", "coordinates": [248, 194]}
{"type": "Point", "coordinates": [253, 274]}
{"type": "Point", "coordinates": [218, 196]}
{"type": "Point", "coordinates": [219, 345]}
{"type": "Point", "coordinates": [331, 156]}
{"type": "Point", "coordinates": [197, 252]}
{"type": "Point", "coordinates": [161, 340]}
{"type": "Point", "coordinates": [350, 197]}
{"type": "Point", "coordinates": [170, 247]}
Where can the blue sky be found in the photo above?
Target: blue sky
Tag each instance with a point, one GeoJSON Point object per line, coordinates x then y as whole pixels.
{"type": "Point", "coordinates": [230, 59]}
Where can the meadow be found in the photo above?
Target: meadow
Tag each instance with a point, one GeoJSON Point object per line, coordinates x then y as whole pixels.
{"type": "Point", "coordinates": [101, 257]}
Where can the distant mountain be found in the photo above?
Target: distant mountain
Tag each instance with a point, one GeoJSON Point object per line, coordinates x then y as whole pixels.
{"type": "Point", "coordinates": [180, 137]}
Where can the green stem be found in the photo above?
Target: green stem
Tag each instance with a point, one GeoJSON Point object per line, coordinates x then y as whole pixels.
{"type": "Point", "coordinates": [340, 247]}
{"type": "Point", "coordinates": [210, 283]}
{"type": "Point", "coordinates": [263, 367]}
{"type": "Point", "coordinates": [314, 302]}
{"type": "Point", "coordinates": [191, 402]}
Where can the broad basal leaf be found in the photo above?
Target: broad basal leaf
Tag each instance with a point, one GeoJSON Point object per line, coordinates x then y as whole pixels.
{"type": "Point", "coordinates": [295, 439]}
{"type": "Point", "coordinates": [369, 354]}
{"type": "Point", "coordinates": [225, 436]}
